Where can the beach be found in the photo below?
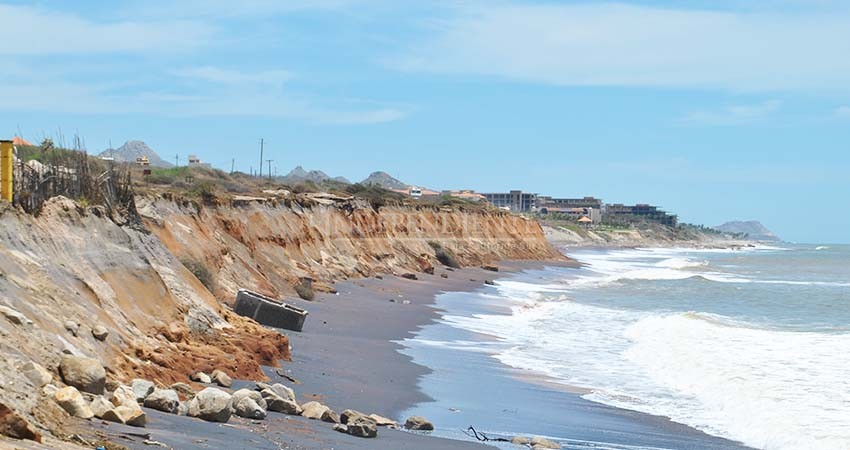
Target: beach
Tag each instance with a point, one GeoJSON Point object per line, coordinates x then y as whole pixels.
{"type": "Point", "coordinates": [353, 354]}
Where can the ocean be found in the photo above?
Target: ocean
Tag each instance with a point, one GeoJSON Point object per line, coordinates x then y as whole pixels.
{"type": "Point", "coordinates": [751, 345]}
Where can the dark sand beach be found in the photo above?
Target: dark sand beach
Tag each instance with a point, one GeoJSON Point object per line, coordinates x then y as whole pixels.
{"type": "Point", "coordinates": [348, 356]}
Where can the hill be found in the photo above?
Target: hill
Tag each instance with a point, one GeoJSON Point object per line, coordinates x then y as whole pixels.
{"type": "Point", "coordinates": [299, 175]}
{"type": "Point", "coordinates": [135, 149]}
{"type": "Point", "coordinates": [384, 180]}
{"type": "Point", "coordinates": [752, 228]}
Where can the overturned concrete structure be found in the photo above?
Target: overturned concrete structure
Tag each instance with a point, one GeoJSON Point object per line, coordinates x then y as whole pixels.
{"type": "Point", "coordinates": [268, 311]}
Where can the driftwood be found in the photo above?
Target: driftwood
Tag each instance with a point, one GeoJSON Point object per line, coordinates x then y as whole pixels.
{"type": "Point", "coordinates": [483, 437]}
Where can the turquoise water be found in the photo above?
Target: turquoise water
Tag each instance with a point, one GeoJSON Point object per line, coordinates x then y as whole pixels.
{"type": "Point", "coordinates": [751, 345]}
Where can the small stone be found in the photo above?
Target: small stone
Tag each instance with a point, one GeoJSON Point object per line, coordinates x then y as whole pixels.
{"type": "Point", "coordinates": [165, 400]}
{"type": "Point", "coordinates": [490, 268]}
{"type": "Point", "coordinates": [70, 399]}
{"type": "Point", "coordinates": [418, 423]}
{"type": "Point", "coordinates": [444, 275]}
{"type": "Point", "coordinates": [183, 389]}
{"type": "Point", "coordinates": [222, 379]}
{"type": "Point", "coordinates": [37, 374]}
{"type": "Point", "coordinates": [72, 327]}
{"type": "Point", "coordinates": [85, 374]}
{"type": "Point", "coordinates": [200, 377]}
{"type": "Point", "coordinates": [100, 332]}
{"type": "Point", "coordinates": [14, 316]}
{"type": "Point", "coordinates": [490, 282]}
{"type": "Point", "coordinates": [409, 276]}
{"type": "Point", "coordinates": [313, 410]}
{"type": "Point", "coordinates": [141, 389]}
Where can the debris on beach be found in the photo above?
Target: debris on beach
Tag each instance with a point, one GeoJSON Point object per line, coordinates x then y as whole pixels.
{"type": "Point", "coordinates": [418, 423]}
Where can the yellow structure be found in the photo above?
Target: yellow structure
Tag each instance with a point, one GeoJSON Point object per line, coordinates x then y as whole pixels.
{"type": "Point", "coordinates": [6, 161]}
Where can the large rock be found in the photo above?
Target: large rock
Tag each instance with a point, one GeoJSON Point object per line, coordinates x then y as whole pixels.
{"type": "Point", "coordinates": [70, 399]}
{"type": "Point", "coordinates": [165, 400]}
{"type": "Point", "coordinates": [124, 396]}
{"type": "Point", "coordinates": [37, 374]}
{"type": "Point", "coordinates": [349, 415]}
{"type": "Point", "coordinates": [330, 416]}
{"type": "Point", "coordinates": [85, 374]}
{"type": "Point", "coordinates": [222, 379]}
{"type": "Point", "coordinates": [100, 332]}
{"type": "Point", "coordinates": [211, 404]}
{"type": "Point", "coordinates": [538, 443]}
{"type": "Point", "coordinates": [100, 406]}
{"type": "Point", "coordinates": [279, 404]}
{"type": "Point", "coordinates": [14, 316]}
{"type": "Point", "coordinates": [279, 389]}
{"type": "Point", "coordinates": [313, 410]}
{"type": "Point", "coordinates": [382, 421]}
{"type": "Point", "coordinates": [362, 427]}
{"type": "Point", "coordinates": [127, 415]}
{"type": "Point", "coordinates": [183, 389]}
{"type": "Point", "coordinates": [141, 389]}
{"type": "Point", "coordinates": [247, 407]}
{"type": "Point", "coordinates": [200, 377]}
{"type": "Point", "coordinates": [418, 423]}
{"type": "Point", "coordinates": [15, 426]}
{"type": "Point", "coordinates": [254, 395]}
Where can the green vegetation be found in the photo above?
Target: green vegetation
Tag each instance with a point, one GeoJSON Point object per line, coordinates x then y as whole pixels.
{"type": "Point", "coordinates": [201, 272]}
{"type": "Point", "coordinates": [445, 256]}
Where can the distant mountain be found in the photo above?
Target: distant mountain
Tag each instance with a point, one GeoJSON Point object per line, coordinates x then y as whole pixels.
{"type": "Point", "coordinates": [135, 149]}
{"type": "Point", "coordinates": [299, 175]}
{"type": "Point", "coordinates": [385, 181]}
{"type": "Point", "coordinates": [752, 228]}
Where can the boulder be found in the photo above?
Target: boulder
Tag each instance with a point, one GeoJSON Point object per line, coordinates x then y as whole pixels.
{"type": "Point", "coordinates": [341, 428]}
{"type": "Point", "coordinates": [85, 374]}
{"type": "Point", "coordinates": [100, 406]}
{"type": "Point", "coordinates": [418, 423]}
{"type": "Point", "coordinates": [279, 404]}
{"type": "Point", "coordinates": [49, 390]}
{"type": "Point", "coordinates": [14, 316]}
{"type": "Point", "coordinates": [330, 416]}
{"type": "Point", "coordinates": [313, 410]}
{"type": "Point", "coordinates": [247, 407]}
{"type": "Point", "coordinates": [538, 443]}
{"type": "Point", "coordinates": [70, 399]}
{"type": "Point", "coordinates": [15, 426]}
{"type": "Point", "coordinates": [100, 332]}
{"type": "Point", "coordinates": [363, 427]}
{"type": "Point", "coordinates": [490, 268]}
{"type": "Point", "coordinates": [409, 276]}
{"type": "Point", "coordinates": [141, 389]}
{"type": "Point", "coordinates": [165, 400]}
{"type": "Point", "coordinates": [211, 404]}
{"type": "Point", "coordinates": [124, 396]}
{"type": "Point", "coordinates": [126, 415]}
{"type": "Point", "coordinates": [349, 415]}
{"type": "Point", "coordinates": [36, 374]}
{"type": "Point", "coordinates": [521, 440]}
{"type": "Point", "coordinates": [382, 421]}
{"type": "Point", "coordinates": [183, 389]}
{"type": "Point", "coordinates": [254, 395]}
{"type": "Point", "coordinates": [279, 389]}
{"type": "Point", "coordinates": [222, 379]}
{"type": "Point", "coordinates": [72, 327]}
{"type": "Point", "coordinates": [200, 377]}
{"type": "Point", "coordinates": [183, 409]}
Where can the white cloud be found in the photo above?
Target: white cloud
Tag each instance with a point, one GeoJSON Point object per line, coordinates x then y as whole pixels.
{"type": "Point", "coordinates": [34, 31]}
{"type": "Point", "coordinates": [613, 44]}
{"type": "Point", "coordinates": [734, 115]}
{"type": "Point", "coordinates": [220, 75]}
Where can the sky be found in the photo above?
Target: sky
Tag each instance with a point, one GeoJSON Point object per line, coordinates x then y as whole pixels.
{"type": "Point", "coordinates": [716, 111]}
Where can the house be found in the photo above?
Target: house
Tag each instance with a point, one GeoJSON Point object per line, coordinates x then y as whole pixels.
{"type": "Point", "coordinates": [516, 200]}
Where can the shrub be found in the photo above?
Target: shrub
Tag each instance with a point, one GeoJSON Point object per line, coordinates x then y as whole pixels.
{"type": "Point", "coordinates": [445, 256]}
{"type": "Point", "coordinates": [201, 272]}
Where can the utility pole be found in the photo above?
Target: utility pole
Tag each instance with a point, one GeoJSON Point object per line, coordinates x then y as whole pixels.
{"type": "Point", "coordinates": [232, 165]}
{"type": "Point", "coordinates": [177, 160]}
{"type": "Point", "coordinates": [261, 157]}
{"type": "Point", "coordinates": [270, 168]}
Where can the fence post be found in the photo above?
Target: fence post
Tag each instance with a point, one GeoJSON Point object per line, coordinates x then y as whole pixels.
{"type": "Point", "coordinates": [6, 170]}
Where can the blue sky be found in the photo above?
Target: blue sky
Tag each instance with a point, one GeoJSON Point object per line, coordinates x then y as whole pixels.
{"type": "Point", "coordinates": [714, 110]}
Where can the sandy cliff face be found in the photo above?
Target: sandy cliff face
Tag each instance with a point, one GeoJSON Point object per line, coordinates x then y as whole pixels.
{"type": "Point", "coordinates": [269, 245]}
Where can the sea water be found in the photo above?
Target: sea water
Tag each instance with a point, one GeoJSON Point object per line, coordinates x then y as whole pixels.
{"type": "Point", "coordinates": [751, 345]}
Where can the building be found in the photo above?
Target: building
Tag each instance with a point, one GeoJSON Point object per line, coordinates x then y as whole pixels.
{"type": "Point", "coordinates": [618, 213]}
{"type": "Point", "coordinates": [194, 161]}
{"type": "Point", "coordinates": [143, 161]}
{"type": "Point", "coordinates": [576, 208]}
{"type": "Point", "coordinates": [593, 214]}
{"type": "Point", "coordinates": [516, 201]}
